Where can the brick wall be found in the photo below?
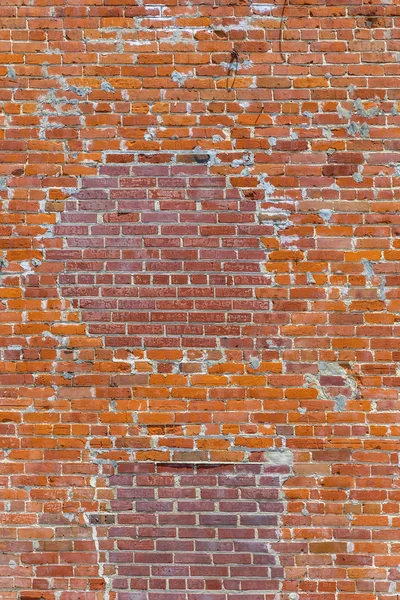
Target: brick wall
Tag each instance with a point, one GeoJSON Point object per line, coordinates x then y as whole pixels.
{"type": "Point", "coordinates": [194, 530]}
{"type": "Point", "coordinates": [199, 300]}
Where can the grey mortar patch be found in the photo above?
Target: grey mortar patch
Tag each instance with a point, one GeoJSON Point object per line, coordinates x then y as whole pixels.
{"type": "Point", "coordinates": [368, 270]}
{"type": "Point", "coordinates": [80, 90]}
{"type": "Point", "coordinates": [340, 403]}
{"type": "Point", "coordinates": [355, 128]}
{"type": "Point", "coordinates": [11, 73]}
{"type": "Point", "coordinates": [369, 274]}
{"type": "Point", "coordinates": [325, 214]}
{"type": "Point", "coordinates": [360, 110]}
{"type": "Point", "coordinates": [279, 456]}
{"type": "Point", "coordinates": [382, 288]}
{"type": "Point", "coordinates": [343, 112]}
{"type": "Point", "coordinates": [254, 362]}
{"type": "Point", "coordinates": [332, 369]}
{"type": "Point", "coordinates": [107, 87]}
{"type": "Point", "coordinates": [179, 78]}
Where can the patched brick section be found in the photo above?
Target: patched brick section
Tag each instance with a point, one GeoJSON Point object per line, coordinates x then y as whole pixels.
{"type": "Point", "coordinates": [193, 531]}
{"type": "Point", "coordinates": [160, 252]}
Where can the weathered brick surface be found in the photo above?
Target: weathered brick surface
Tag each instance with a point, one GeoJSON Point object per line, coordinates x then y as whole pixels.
{"type": "Point", "coordinates": [199, 266]}
{"type": "Point", "coordinates": [193, 531]}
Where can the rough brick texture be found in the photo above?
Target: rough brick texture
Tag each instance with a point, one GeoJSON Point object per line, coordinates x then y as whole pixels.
{"type": "Point", "coordinates": [199, 237]}
{"type": "Point", "coordinates": [193, 531]}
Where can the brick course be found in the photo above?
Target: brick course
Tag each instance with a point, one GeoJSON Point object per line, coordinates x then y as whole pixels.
{"type": "Point", "coordinates": [199, 285]}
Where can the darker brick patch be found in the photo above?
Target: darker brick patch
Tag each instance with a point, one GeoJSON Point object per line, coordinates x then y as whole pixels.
{"type": "Point", "coordinates": [164, 255]}
{"type": "Point", "coordinates": [194, 531]}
